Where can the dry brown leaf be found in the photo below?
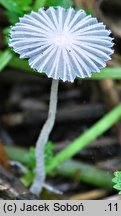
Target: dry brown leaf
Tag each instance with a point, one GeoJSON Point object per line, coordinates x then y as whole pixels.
{"type": "Point", "coordinates": [94, 194]}
{"type": "Point", "coordinates": [3, 156]}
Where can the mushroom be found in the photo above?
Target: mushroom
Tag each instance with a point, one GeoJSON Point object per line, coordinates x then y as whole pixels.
{"type": "Point", "coordinates": [64, 44]}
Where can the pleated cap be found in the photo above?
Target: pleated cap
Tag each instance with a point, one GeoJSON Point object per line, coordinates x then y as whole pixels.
{"type": "Point", "coordinates": [63, 43]}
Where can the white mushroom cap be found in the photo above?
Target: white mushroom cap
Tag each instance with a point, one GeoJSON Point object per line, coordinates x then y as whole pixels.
{"type": "Point", "coordinates": [63, 43]}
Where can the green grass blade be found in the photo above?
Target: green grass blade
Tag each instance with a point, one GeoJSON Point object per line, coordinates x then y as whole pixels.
{"type": "Point", "coordinates": [5, 57]}
{"type": "Point", "coordinates": [86, 173]}
{"type": "Point", "coordinates": [107, 73]}
{"type": "Point", "coordinates": [62, 3]}
{"type": "Point", "coordinates": [20, 64]}
{"type": "Point", "coordinates": [90, 135]}
{"type": "Point", "coordinates": [38, 4]}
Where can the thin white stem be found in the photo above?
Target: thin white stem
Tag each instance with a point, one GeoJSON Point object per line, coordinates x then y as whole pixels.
{"type": "Point", "coordinates": [43, 139]}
